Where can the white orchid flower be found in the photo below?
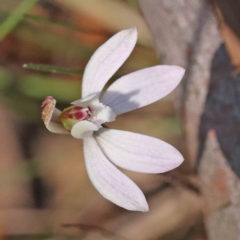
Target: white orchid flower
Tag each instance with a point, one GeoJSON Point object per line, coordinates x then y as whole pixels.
{"type": "Point", "coordinates": [105, 147]}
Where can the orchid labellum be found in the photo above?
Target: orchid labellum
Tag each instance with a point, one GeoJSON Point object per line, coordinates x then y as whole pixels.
{"type": "Point", "coordinates": [104, 148]}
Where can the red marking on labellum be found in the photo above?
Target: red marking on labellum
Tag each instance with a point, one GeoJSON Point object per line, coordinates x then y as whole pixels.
{"type": "Point", "coordinates": [72, 115]}
{"type": "Point", "coordinates": [76, 112]}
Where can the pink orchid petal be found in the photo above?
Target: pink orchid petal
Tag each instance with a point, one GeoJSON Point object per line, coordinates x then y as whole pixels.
{"type": "Point", "coordinates": [138, 152]}
{"type": "Point", "coordinates": [86, 100]}
{"type": "Point", "coordinates": [83, 129]}
{"type": "Point", "coordinates": [107, 60]}
{"type": "Point", "coordinates": [109, 181]}
{"type": "Point", "coordinates": [141, 88]}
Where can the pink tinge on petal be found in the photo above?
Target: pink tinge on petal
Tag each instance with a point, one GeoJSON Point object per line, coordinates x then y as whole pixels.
{"type": "Point", "coordinates": [107, 60]}
{"type": "Point", "coordinates": [109, 181]}
{"type": "Point", "coordinates": [137, 152]}
{"type": "Point", "coordinates": [85, 101]}
{"type": "Point", "coordinates": [142, 87]}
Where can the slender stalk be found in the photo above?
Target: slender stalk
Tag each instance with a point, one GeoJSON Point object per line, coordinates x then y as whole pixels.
{"type": "Point", "coordinates": [53, 69]}
{"type": "Point", "coordinates": [15, 17]}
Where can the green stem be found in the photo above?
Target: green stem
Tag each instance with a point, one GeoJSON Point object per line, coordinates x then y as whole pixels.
{"type": "Point", "coordinates": [15, 17]}
{"type": "Point", "coordinates": [53, 69]}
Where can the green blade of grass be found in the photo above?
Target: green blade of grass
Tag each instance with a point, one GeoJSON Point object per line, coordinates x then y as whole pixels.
{"type": "Point", "coordinates": [62, 23]}
{"type": "Point", "coordinates": [56, 22]}
{"type": "Point", "coordinates": [38, 87]}
{"type": "Point", "coordinates": [53, 69]}
{"type": "Point", "coordinates": [15, 17]}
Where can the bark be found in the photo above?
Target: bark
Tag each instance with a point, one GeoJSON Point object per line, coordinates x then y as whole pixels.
{"type": "Point", "coordinates": [186, 33]}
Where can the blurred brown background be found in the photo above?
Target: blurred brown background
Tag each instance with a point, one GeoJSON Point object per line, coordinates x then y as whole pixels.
{"type": "Point", "coordinates": [45, 192]}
